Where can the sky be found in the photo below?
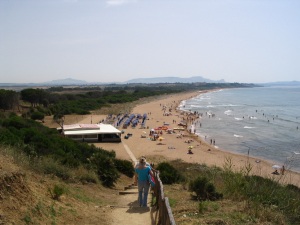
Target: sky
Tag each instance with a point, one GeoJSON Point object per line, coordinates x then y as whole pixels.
{"type": "Point", "coordinates": [246, 41]}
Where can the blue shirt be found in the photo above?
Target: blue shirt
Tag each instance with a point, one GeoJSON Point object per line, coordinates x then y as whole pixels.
{"type": "Point", "coordinates": [143, 173]}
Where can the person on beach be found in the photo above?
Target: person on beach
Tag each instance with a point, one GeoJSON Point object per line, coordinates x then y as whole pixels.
{"type": "Point", "coordinates": [282, 170]}
{"type": "Point", "coordinates": [143, 171]}
{"type": "Point", "coordinates": [275, 172]}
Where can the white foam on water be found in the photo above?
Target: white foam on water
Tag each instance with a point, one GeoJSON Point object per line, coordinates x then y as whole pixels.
{"type": "Point", "coordinates": [236, 118]}
{"type": "Point", "coordinates": [236, 135]}
{"type": "Point", "coordinates": [247, 127]}
{"type": "Point", "coordinates": [253, 117]}
{"type": "Point", "coordinates": [228, 112]}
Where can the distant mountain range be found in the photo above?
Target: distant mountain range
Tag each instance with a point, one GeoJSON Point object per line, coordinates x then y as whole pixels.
{"type": "Point", "coordinates": [70, 81]}
{"type": "Point", "coordinates": [195, 79]}
{"type": "Point", "coordinates": [173, 80]}
{"type": "Point", "coordinates": [282, 83]}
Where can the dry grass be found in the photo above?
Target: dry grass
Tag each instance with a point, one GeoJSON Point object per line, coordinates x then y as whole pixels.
{"type": "Point", "coordinates": [229, 210]}
{"type": "Point", "coordinates": [187, 211]}
{"type": "Point", "coordinates": [25, 198]}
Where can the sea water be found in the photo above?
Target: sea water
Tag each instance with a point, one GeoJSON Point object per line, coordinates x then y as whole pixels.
{"type": "Point", "coordinates": [260, 122]}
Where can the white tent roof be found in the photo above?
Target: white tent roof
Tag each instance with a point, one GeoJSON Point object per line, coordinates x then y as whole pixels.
{"type": "Point", "coordinates": [82, 129]}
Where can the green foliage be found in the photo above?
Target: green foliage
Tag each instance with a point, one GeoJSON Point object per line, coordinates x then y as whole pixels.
{"type": "Point", "coordinates": [8, 99]}
{"type": "Point", "coordinates": [204, 189]}
{"type": "Point", "coordinates": [270, 193]}
{"type": "Point", "coordinates": [91, 98]}
{"type": "Point", "coordinates": [57, 155]}
{"type": "Point", "coordinates": [8, 138]}
{"type": "Point", "coordinates": [90, 177]}
{"type": "Point", "coordinates": [27, 219]}
{"type": "Point", "coordinates": [56, 192]}
{"type": "Point", "coordinates": [125, 167]}
{"type": "Point", "coordinates": [204, 206]}
{"type": "Point", "coordinates": [15, 122]}
{"type": "Point", "coordinates": [168, 174]}
{"type": "Point", "coordinates": [34, 96]}
{"type": "Point", "coordinates": [105, 168]}
{"type": "Point", "coordinates": [50, 166]}
{"type": "Point", "coordinates": [263, 193]}
{"type": "Point", "coordinates": [37, 116]}
{"type": "Point", "coordinates": [263, 200]}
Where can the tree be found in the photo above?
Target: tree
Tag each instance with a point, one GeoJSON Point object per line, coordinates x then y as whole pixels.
{"type": "Point", "coordinates": [34, 96]}
{"type": "Point", "coordinates": [37, 116]}
{"type": "Point", "coordinates": [8, 99]}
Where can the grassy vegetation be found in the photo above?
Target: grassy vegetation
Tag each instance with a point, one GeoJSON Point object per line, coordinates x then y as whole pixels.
{"type": "Point", "coordinates": [59, 101]}
{"type": "Point", "coordinates": [46, 151]}
{"type": "Point", "coordinates": [246, 199]}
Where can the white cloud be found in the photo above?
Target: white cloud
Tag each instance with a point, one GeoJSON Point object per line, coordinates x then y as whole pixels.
{"type": "Point", "coordinates": [119, 2]}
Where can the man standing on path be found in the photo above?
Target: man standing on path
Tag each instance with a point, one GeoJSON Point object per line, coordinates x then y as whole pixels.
{"type": "Point", "coordinates": [143, 172]}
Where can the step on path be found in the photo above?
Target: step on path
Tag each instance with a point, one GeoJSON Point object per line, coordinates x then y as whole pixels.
{"type": "Point", "coordinates": [128, 211]}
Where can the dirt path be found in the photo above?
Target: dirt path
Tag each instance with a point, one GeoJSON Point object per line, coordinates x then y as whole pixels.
{"type": "Point", "coordinates": [128, 211]}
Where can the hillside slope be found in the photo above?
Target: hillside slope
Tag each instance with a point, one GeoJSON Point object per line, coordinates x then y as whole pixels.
{"type": "Point", "coordinates": [25, 198]}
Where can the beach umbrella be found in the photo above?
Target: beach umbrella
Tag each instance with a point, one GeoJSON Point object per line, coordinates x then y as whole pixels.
{"type": "Point", "coordinates": [276, 167]}
{"type": "Point", "coordinates": [190, 147]}
{"type": "Point", "coordinates": [144, 132]}
{"type": "Point", "coordinates": [160, 138]}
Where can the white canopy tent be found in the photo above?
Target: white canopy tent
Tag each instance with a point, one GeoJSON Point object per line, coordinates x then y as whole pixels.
{"type": "Point", "coordinates": [101, 132]}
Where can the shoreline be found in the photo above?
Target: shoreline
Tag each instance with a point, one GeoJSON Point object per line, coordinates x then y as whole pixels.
{"type": "Point", "coordinates": [173, 147]}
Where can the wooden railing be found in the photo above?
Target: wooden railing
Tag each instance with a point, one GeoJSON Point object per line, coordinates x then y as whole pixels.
{"type": "Point", "coordinates": [165, 216]}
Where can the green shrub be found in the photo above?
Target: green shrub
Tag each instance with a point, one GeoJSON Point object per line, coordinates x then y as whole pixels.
{"type": "Point", "coordinates": [125, 167]}
{"type": "Point", "coordinates": [50, 166]}
{"type": "Point", "coordinates": [56, 192]}
{"type": "Point", "coordinates": [88, 178]}
{"type": "Point", "coordinates": [168, 174]}
{"type": "Point", "coordinates": [37, 115]}
{"type": "Point", "coordinates": [293, 188]}
{"type": "Point", "coordinates": [105, 168]}
{"type": "Point", "coordinates": [8, 138]}
{"type": "Point", "coordinates": [204, 189]}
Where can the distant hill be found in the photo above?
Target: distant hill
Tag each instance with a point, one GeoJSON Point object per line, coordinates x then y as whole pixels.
{"type": "Point", "coordinates": [67, 81]}
{"type": "Point", "coordinates": [195, 79]}
{"type": "Point", "coordinates": [61, 82]}
{"type": "Point", "coordinates": [282, 83]}
{"type": "Point", "coordinates": [71, 81]}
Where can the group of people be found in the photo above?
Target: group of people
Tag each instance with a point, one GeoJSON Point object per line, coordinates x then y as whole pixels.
{"type": "Point", "coordinates": [282, 170]}
{"type": "Point", "coordinates": [144, 172]}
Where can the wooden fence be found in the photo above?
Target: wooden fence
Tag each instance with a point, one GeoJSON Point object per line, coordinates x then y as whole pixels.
{"type": "Point", "coordinates": [165, 216]}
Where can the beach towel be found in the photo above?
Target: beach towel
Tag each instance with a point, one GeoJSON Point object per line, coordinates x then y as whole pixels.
{"type": "Point", "coordinates": [151, 180]}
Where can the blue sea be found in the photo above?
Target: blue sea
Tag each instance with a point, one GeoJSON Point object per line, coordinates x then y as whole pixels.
{"type": "Point", "coordinates": [263, 122]}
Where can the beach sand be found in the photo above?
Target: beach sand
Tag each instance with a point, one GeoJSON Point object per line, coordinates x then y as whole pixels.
{"type": "Point", "coordinates": [172, 147]}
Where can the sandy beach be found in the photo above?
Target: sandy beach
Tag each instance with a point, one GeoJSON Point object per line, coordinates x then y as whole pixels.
{"type": "Point", "coordinates": [175, 145]}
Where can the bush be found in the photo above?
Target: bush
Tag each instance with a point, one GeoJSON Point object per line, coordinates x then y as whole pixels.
{"type": "Point", "coordinates": [168, 174]}
{"type": "Point", "coordinates": [37, 116]}
{"type": "Point", "coordinates": [50, 166]}
{"type": "Point", "coordinates": [105, 168]}
{"type": "Point", "coordinates": [204, 189]}
{"type": "Point", "coordinates": [56, 192]}
{"type": "Point", "coordinates": [125, 167]}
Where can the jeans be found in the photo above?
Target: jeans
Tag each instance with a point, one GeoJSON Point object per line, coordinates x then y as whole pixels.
{"type": "Point", "coordinates": [143, 187]}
